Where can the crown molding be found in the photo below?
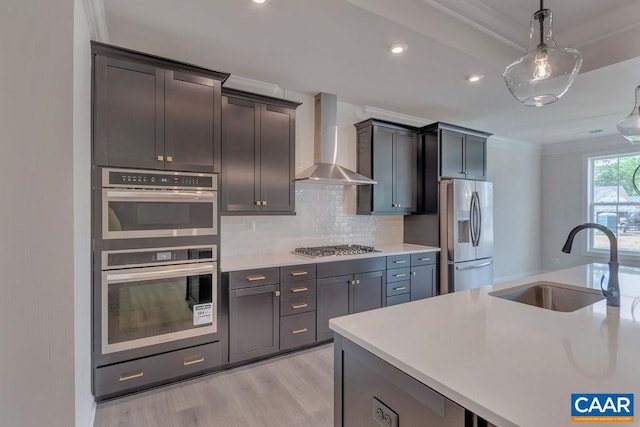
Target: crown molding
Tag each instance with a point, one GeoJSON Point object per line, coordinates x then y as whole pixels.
{"type": "Point", "coordinates": [96, 19]}
{"type": "Point", "coordinates": [368, 112]}
{"type": "Point", "coordinates": [254, 86]}
{"type": "Point", "coordinates": [485, 19]}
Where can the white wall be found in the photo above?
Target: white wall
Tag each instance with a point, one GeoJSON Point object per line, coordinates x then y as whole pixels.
{"type": "Point", "coordinates": [514, 168]}
{"type": "Point", "coordinates": [564, 189]}
{"type": "Point", "coordinates": [37, 213]}
{"type": "Point", "coordinates": [324, 213]}
{"type": "Point", "coordinates": [84, 402]}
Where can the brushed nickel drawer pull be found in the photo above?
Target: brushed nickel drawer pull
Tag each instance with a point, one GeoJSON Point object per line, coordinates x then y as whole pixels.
{"type": "Point", "coordinates": [264, 203]}
{"type": "Point", "coordinates": [299, 331]}
{"type": "Point", "coordinates": [169, 159]}
{"type": "Point", "coordinates": [132, 376]}
{"type": "Point", "coordinates": [186, 362]}
{"type": "Point", "coordinates": [299, 273]}
{"type": "Point", "coordinates": [298, 306]}
{"type": "Point", "coordinates": [256, 278]}
{"type": "Point", "coordinates": [401, 261]}
{"type": "Point", "coordinates": [302, 289]}
{"type": "Point", "coordinates": [400, 275]}
{"type": "Point", "coordinates": [160, 158]}
{"type": "Point", "coordinates": [424, 259]}
{"type": "Point", "coordinates": [401, 288]}
{"type": "Point", "coordinates": [276, 293]}
{"type": "Point", "coordinates": [258, 203]}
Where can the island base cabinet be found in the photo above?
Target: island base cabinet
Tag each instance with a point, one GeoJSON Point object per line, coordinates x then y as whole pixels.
{"type": "Point", "coordinates": [369, 392]}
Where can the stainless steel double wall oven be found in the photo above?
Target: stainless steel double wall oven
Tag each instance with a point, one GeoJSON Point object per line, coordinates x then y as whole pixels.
{"type": "Point", "coordinates": [156, 276]}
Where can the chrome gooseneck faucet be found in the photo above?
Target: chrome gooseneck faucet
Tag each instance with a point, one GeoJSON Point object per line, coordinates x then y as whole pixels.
{"type": "Point", "coordinates": [612, 293]}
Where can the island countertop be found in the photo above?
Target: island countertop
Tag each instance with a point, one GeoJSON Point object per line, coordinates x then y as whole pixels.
{"type": "Point", "coordinates": [283, 259]}
{"type": "Point", "coordinates": [511, 363]}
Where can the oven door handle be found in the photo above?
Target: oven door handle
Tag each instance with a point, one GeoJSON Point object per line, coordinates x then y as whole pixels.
{"type": "Point", "coordinates": [151, 195]}
{"type": "Point", "coordinates": [165, 272]}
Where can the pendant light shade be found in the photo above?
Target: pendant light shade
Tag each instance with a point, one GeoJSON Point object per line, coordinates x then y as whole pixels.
{"type": "Point", "coordinates": [547, 71]}
{"type": "Point", "coordinates": [629, 127]}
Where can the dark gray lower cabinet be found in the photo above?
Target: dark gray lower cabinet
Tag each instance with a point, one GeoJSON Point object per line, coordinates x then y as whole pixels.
{"type": "Point", "coordinates": [332, 301]}
{"type": "Point", "coordinates": [369, 392]}
{"type": "Point", "coordinates": [143, 373]}
{"type": "Point", "coordinates": [254, 315]}
{"type": "Point", "coordinates": [365, 291]}
{"type": "Point", "coordinates": [297, 330]}
{"type": "Point", "coordinates": [423, 281]}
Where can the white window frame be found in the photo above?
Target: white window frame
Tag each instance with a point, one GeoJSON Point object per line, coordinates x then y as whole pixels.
{"type": "Point", "coordinates": [588, 204]}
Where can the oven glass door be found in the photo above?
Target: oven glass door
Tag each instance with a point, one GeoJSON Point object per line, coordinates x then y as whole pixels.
{"type": "Point", "coordinates": [158, 213]}
{"type": "Point", "coordinates": [152, 305]}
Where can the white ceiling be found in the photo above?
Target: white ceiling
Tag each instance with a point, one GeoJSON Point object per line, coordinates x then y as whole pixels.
{"type": "Point", "coordinates": [341, 47]}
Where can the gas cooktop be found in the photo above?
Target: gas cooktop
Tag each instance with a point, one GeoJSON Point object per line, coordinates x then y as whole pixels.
{"type": "Point", "coordinates": [333, 250]}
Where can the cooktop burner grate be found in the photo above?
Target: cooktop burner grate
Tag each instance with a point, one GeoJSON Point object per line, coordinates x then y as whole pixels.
{"type": "Point", "coordinates": [334, 250]}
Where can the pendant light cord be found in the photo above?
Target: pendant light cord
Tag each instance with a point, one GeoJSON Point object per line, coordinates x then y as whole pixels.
{"type": "Point", "coordinates": [541, 20]}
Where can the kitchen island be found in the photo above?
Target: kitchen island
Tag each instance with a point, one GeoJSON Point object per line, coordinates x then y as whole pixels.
{"type": "Point", "coordinates": [510, 363]}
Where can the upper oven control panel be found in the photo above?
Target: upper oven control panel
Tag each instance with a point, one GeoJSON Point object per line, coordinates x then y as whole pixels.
{"type": "Point", "coordinates": [132, 178]}
{"type": "Point", "coordinates": [157, 256]}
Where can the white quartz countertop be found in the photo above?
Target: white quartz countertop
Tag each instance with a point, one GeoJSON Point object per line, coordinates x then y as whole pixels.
{"type": "Point", "coordinates": [283, 259]}
{"type": "Point", "coordinates": [511, 363]}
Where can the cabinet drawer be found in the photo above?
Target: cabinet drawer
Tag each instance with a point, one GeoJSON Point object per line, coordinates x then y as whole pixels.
{"type": "Point", "coordinates": [424, 258]}
{"type": "Point", "coordinates": [297, 273]}
{"type": "Point", "coordinates": [398, 299]}
{"type": "Point", "coordinates": [141, 373]}
{"type": "Point", "coordinates": [297, 304]}
{"type": "Point", "coordinates": [257, 277]}
{"type": "Point", "coordinates": [398, 274]}
{"type": "Point", "coordinates": [397, 261]}
{"type": "Point", "coordinates": [294, 289]}
{"type": "Point", "coordinates": [352, 266]}
{"type": "Point", "coordinates": [397, 288]}
{"type": "Point", "coordinates": [297, 330]}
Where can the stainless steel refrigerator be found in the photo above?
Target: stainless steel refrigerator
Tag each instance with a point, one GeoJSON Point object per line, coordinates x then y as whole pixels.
{"type": "Point", "coordinates": [466, 234]}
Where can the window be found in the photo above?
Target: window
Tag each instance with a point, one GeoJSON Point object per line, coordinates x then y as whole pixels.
{"type": "Point", "coordinates": [614, 202]}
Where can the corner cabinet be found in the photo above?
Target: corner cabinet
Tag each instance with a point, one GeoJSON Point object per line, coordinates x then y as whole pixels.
{"type": "Point", "coordinates": [152, 113]}
{"type": "Point", "coordinates": [258, 154]}
{"type": "Point", "coordinates": [389, 154]}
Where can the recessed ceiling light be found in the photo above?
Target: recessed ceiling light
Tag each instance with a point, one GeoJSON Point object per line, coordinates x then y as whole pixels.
{"type": "Point", "coordinates": [473, 78]}
{"type": "Point", "coordinates": [398, 48]}
{"type": "Point", "coordinates": [259, 1]}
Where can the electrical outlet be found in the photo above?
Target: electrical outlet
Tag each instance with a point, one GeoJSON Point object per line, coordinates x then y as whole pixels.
{"type": "Point", "coordinates": [556, 261]}
{"type": "Point", "coordinates": [251, 226]}
{"type": "Point", "coordinates": [383, 415]}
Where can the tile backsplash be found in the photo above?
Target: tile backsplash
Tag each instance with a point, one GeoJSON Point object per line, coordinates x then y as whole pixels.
{"type": "Point", "coordinates": [325, 215]}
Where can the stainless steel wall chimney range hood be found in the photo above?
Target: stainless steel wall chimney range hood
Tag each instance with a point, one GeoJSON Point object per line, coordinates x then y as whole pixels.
{"type": "Point", "coordinates": [325, 170]}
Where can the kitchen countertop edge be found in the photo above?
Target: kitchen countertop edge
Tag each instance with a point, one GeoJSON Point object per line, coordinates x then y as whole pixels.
{"type": "Point", "coordinates": [285, 259]}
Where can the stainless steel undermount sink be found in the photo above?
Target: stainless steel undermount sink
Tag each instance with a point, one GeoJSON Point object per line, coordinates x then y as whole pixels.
{"type": "Point", "coordinates": [551, 296]}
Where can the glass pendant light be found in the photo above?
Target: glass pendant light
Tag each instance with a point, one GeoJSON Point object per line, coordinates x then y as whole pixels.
{"type": "Point", "coordinates": [629, 127]}
{"type": "Point", "coordinates": [545, 73]}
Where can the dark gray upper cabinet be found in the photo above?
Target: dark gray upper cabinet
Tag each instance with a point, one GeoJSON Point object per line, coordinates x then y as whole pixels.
{"type": "Point", "coordinates": [387, 153]}
{"type": "Point", "coordinates": [258, 154]}
{"type": "Point", "coordinates": [153, 113]}
{"type": "Point", "coordinates": [449, 151]}
{"type": "Point", "coordinates": [463, 156]}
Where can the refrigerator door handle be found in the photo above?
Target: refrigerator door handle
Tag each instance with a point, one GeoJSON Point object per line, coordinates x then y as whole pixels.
{"type": "Point", "coordinates": [469, 267]}
{"type": "Point", "coordinates": [478, 220]}
{"type": "Point", "coordinates": [472, 227]}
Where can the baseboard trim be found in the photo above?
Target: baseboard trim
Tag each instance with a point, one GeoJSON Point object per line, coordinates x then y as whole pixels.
{"type": "Point", "coordinates": [92, 416]}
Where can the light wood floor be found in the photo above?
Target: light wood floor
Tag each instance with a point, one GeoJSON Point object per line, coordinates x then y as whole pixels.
{"type": "Point", "coordinates": [289, 391]}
